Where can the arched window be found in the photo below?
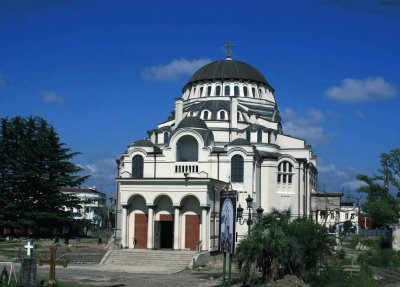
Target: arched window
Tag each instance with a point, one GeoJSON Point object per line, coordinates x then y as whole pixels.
{"type": "Point", "coordinates": [166, 137]}
{"type": "Point", "coordinates": [222, 115]}
{"type": "Point", "coordinates": [285, 173]}
{"type": "Point", "coordinates": [259, 93]}
{"type": "Point", "coordinates": [156, 141]}
{"type": "Point", "coordinates": [209, 91]}
{"type": "Point", "coordinates": [201, 91]}
{"type": "Point", "coordinates": [194, 92]}
{"type": "Point", "coordinates": [205, 115]}
{"type": "Point", "coordinates": [237, 168]}
{"type": "Point", "coordinates": [187, 149]}
{"type": "Point", "coordinates": [269, 137]}
{"type": "Point", "coordinates": [137, 166]}
{"type": "Point", "coordinates": [245, 91]}
{"type": "Point", "coordinates": [259, 136]}
{"type": "Point", "coordinates": [218, 91]}
{"type": "Point", "coordinates": [236, 91]}
{"type": "Point", "coordinates": [253, 91]}
{"type": "Point", "coordinates": [248, 136]}
{"type": "Point", "coordinates": [227, 90]}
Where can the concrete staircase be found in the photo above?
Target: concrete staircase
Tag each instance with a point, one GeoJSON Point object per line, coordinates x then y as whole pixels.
{"type": "Point", "coordinates": [153, 259]}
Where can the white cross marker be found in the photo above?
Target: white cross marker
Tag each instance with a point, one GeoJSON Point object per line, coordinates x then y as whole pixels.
{"type": "Point", "coordinates": [29, 248]}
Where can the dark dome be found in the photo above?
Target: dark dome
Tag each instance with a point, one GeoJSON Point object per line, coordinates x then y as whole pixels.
{"type": "Point", "coordinates": [144, 142]}
{"type": "Point", "coordinates": [192, 122]}
{"type": "Point", "coordinates": [239, 141]}
{"type": "Point", "coordinates": [228, 70]}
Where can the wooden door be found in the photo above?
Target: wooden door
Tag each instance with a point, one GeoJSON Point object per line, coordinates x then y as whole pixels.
{"type": "Point", "coordinates": [141, 231]}
{"type": "Point", "coordinates": [192, 231]}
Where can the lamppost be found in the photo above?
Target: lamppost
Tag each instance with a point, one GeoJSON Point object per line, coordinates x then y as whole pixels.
{"type": "Point", "coordinates": [249, 220]}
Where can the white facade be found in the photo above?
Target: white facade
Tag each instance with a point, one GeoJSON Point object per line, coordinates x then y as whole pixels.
{"type": "Point", "coordinates": [226, 128]}
{"type": "Point", "coordinates": [91, 201]}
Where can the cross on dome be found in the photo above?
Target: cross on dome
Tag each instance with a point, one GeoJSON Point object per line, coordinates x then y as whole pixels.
{"type": "Point", "coordinates": [228, 47]}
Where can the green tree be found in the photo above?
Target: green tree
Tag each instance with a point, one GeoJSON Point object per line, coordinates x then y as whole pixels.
{"type": "Point", "coordinates": [381, 205]}
{"type": "Point", "coordinates": [282, 247]}
{"type": "Point", "coordinates": [34, 165]}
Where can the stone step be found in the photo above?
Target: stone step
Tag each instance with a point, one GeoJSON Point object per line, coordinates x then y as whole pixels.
{"type": "Point", "coordinates": [151, 258]}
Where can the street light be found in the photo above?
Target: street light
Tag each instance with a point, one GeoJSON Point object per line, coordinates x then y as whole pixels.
{"type": "Point", "coordinates": [249, 221]}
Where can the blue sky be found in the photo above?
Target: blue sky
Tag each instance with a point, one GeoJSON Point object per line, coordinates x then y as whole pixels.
{"type": "Point", "coordinates": [104, 72]}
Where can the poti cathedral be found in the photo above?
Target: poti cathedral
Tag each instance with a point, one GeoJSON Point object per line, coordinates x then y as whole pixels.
{"type": "Point", "coordinates": [225, 132]}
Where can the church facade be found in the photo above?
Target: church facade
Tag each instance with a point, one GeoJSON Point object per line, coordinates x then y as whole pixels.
{"type": "Point", "coordinates": [225, 130]}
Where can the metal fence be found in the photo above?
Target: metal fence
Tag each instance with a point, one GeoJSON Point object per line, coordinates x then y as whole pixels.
{"type": "Point", "coordinates": [374, 232]}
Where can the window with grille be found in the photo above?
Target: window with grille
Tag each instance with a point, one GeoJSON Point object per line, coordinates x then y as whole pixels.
{"type": "Point", "coordinates": [285, 173]}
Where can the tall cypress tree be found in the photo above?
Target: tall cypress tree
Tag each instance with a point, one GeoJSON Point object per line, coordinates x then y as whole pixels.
{"type": "Point", "coordinates": [34, 165]}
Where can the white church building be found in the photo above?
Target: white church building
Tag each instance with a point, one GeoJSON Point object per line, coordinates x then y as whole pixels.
{"type": "Point", "coordinates": [225, 130]}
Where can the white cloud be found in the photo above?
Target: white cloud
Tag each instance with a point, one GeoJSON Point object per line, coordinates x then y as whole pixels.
{"type": "Point", "coordinates": [103, 168]}
{"type": "Point", "coordinates": [369, 89]}
{"type": "Point", "coordinates": [51, 97]}
{"type": "Point", "coordinates": [174, 70]}
{"type": "Point", "coordinates": [102, 171]}
{"type": "Point", "coordinates": [353, 184]}
{"type": "Point", "coordinates": [308, 127]}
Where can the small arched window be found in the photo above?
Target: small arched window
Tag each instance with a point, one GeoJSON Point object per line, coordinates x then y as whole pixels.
{"type": "Point", "coordinates": [194, 91]}
{"type": "Point", "coordinates": [209, 91]}
{"type": "Point", "coordinates": [245, 91]}
{"type": "Point", "coordinates": [248, 136]}
{"type": "Point", "coordinates": [156, 141]}
{"type": "Point", "coordinates": [187, 149]}
{"type": "Point", "coordinates": [166, 137]}
{"type": "Point", "coordinates": [269, 137]}
{"type": "Point", "coordinates": [222, 115]}
{"type": "Point", "coordinates": [285, 173]}
{"type": "Point", "coordinates": [236, 91]}
{"type": "Point", "coordinates": [201, 91]}
{"type": "Point", "coordinates": [259, 93]}
{"type": "Point", "coordinates": [227, 90]}
{"type": "Point", "coordinates": [259, 136]}
{"type": "Point", "coordinates": [218, 90]}
{"type": "Point", "coordinates": [237, 168]}
{"type": "Point", "coordinates": [137, 166]}
{"type": "Point", "coordinates": [253, 91]}
{"type": "Point", "coordinates": [205, 115]}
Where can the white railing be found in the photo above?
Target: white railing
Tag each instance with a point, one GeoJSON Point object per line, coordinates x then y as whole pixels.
{"type": "Point", "coordinates": [188, 167]}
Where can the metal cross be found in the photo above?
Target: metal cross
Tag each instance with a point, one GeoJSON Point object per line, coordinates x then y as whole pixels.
{"type": "Point", "coordinates": [29, 247]}
{"type": "Point", "coordinates": [52, 262]}
{"type": "Point", "coordinates": [229, 46]}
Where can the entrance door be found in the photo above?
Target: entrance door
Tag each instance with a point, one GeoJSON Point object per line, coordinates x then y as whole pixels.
{"type": "Point", "coordinates": [140, 231]}
{"type": "Point", "coordinates": [164, 232]}
{"type": "Point", "coordinates": [192, 231]}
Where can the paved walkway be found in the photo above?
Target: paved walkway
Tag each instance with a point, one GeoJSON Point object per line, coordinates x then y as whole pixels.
{"type": "Point", "coordinates": [119, 276]}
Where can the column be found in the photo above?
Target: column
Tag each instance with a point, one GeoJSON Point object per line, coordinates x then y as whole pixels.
{"type": "Point", "coordinates": [123, 226]}
{"type": "Point", "coordinates": [204, 240]}
{"type": "Point", "coordinates": [176, 228]}
{"type": "Point", "coordinates": [150, 223]}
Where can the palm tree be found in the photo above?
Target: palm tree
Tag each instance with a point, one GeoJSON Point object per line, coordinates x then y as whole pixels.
{"type": "Point", "coordinates": [280, 247]}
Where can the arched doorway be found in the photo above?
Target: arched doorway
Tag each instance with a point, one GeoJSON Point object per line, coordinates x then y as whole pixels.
{"type": "Point", "coordinates": [191, 214]}
{"type": "Point", "coordinates": [164, 223]}
{"type": "Point", "coordinates": [139, 219]}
